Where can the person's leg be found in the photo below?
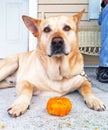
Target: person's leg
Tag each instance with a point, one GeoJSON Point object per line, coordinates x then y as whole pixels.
{"type": "Point", "coordinates": [102, 71]}
{"type": "Point", "coordinates": [104, 38]}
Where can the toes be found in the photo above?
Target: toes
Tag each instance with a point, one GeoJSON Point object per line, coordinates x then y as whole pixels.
{"type": "Point", "coordinates": [9, 112]}
{"type": "Point", "coordinates": [101, 108]}
{"type": "Point", "coordinates": [16, 111]}
{"type": "Point", "coordinates": [19, 106]}
{"type": "Point", "coordinates": [96, 107]}
{"type": "Point", "coordinates": [95, 104]}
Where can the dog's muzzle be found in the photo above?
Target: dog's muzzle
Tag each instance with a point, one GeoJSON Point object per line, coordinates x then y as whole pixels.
{"type": "Point", "coordinates": [57, 46]}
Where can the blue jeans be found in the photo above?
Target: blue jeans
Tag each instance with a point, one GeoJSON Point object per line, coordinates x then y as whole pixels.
{"type": "Point", "coordinates": [103, 21]}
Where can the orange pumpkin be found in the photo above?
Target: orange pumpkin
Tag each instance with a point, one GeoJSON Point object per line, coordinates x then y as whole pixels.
{"type": "Point", "coordinates": [59, 106]}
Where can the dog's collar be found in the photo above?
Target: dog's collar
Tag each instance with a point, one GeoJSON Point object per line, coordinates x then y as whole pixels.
{"type": "Point", "coordinates": [83, 74]}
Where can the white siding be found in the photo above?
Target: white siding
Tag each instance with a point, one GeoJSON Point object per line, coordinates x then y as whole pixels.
{"type": "Point", "coordinates": [48, 8]}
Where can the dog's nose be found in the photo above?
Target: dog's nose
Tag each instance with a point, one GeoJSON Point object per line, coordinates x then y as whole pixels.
{"type": "Point", "coordinates": [57, 40]}
{"type": "Point", "coordinates": [57, 46]}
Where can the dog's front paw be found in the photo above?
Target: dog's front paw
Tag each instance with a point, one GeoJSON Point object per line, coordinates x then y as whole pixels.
{"type": "Point", "coordinates": [19, 107]}
{"type": "Point", "coordinates": [94, 103]}
{"type": "Point", "coordinates": [17, 110]}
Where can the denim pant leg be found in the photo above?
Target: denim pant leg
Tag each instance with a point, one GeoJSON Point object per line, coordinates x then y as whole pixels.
{"type": "Point", "coordinates": [104, 38]}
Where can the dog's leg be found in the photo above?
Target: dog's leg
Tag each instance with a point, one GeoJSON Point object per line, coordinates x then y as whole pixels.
{"type": "Point", "coordinates": [21, 104]}
{"type": "Point", "coordinates": [5, 84]}
{"type": "Point", "coordinates": [8, 66]}
{"type": "Point", "coordinates": [90, 99]}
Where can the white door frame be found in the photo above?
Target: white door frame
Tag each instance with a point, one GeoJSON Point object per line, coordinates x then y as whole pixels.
{"type": "Point", "coordinates": [33, 6]}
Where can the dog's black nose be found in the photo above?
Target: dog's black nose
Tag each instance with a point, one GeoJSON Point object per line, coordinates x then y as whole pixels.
{"type": "Point", "coordinates": [57, 45]}
{"type": "Point", "coordinates": [57, 40]}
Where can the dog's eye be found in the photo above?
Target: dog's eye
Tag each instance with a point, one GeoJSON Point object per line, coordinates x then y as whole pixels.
{"type": "Point", "coordinates": [67, 28]}
{"type": "Point", "coordinates": [47, 29]}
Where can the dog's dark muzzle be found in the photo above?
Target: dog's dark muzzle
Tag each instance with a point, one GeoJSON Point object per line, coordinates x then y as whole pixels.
{"type": "Point", "coordinates": [57, 46]}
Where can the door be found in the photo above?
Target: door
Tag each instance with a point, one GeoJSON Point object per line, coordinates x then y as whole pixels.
{"type": "Point", "coordinates": [13, 33]}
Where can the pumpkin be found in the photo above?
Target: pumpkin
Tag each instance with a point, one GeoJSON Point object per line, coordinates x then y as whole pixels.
{"type": "Point", "coordinates": [59, 106]}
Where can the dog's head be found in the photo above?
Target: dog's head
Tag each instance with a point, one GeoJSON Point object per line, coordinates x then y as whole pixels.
{"type": "Point", "coordinates": [57, 35]}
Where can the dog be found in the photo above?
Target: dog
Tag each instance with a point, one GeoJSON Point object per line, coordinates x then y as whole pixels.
{"type": "Point", "coordinates": [55, 66]}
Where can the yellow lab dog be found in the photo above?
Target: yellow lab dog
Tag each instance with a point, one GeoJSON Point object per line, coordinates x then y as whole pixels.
{"type": "Point", "coordinates": [55, 66]}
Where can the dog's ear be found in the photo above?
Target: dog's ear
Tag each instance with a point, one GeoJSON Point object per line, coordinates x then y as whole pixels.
{"type": "Point", "coordinates": [78, 16]}
{"type": "Point", "coordinates": [32, 24]}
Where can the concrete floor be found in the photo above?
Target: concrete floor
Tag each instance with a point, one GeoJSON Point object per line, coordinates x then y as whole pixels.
{"type": "Point", "coordinates": [37, 118]}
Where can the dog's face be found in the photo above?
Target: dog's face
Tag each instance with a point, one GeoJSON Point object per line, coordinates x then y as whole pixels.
{"type": "Point", "coordinates": [57, 36]}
